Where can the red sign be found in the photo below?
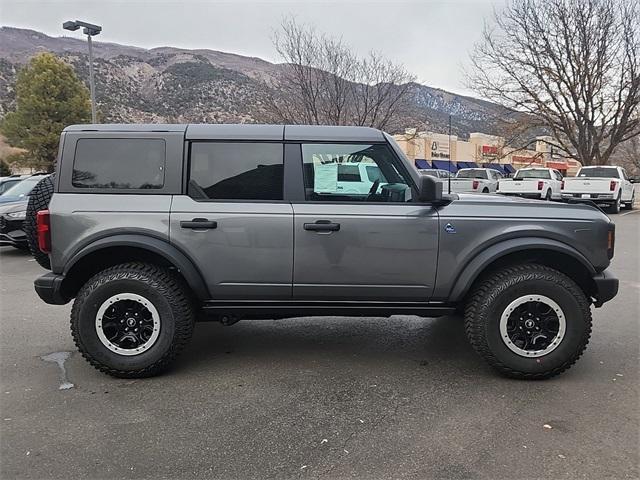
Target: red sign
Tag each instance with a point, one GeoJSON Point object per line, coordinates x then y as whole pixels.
{"type": "Point", "coordinates": [489, 150]}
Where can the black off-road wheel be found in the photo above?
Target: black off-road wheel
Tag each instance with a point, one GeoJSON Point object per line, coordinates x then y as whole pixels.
{"type": "Point", "coordinates": [528, 322]}
{"type": "Point", "coordinates": [39, 199]}
{"type": "Point", "coordinates": [132, 320]}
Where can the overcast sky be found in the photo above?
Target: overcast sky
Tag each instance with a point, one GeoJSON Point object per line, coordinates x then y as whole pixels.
{"type": "Point", "coordinates": [432, 38]}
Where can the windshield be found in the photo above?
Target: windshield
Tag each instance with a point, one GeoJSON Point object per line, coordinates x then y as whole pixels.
{"type": "Point", "coordinates": [472, 173]}
{"type": "Point", "coordinates": [532, 174]}
{"type": "Point", "coordinates": [602, 172]}
{"type": "Point", "coordinates": [23, 188]}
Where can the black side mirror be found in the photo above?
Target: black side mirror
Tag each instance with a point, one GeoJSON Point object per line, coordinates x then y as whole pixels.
{"type": "Point", "coordinates": [430, 189]}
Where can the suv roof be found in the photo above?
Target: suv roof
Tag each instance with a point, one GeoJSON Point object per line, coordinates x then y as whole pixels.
{"type": "Point", "coordinates": [246, 131]}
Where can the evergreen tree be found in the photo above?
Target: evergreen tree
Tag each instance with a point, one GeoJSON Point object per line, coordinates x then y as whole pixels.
{"type": "Point", "coordinates": [49, 96]}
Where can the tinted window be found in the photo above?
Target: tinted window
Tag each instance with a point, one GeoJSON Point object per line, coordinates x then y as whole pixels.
{"type": "Point", "coordinates": [119, 163]}
{"type": "Point", "coordinates": [4, 186]}
{"type": "Point", "coordinates": [431, 173]}
{"type": "Point", "coordinates": [601, 172]}
{"type": "Point", "coordinates": [472, 173]}
{"type": "Point", "coordinates": [348, 173]}
{"type": "Point", "coordinates": [532, 174]}
{"type": "Point", "coordinates": [236, 171]}
{"type": "Point", "coordinates": [332, 173]}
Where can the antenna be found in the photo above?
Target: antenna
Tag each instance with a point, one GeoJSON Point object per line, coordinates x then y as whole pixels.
{"type": "Point", "coordinates": [449, 181]}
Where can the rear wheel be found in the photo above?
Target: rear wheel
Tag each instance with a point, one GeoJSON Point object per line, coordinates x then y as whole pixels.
{"type": "Point", "coordinates": [629, 205]}
{"type": "Point", "coordinates": [132, 320]}
{"type": "Point", "coordinates": [529, 321]}
{"type": "Point", "coordinates": [485, 190]}
{"type": "Point", "coordinates": [39, 199]}
{"type": "Point", "coordinates": [615, 207]}
{"type": "Point", "coordinates": [548, 195]}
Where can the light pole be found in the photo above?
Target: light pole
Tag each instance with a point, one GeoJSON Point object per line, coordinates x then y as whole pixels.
{"type": "Point", "coordinates": [89, 30]}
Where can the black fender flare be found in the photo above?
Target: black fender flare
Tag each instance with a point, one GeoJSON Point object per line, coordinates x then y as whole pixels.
{"type": "Point", "coordinates": [154, 245]}
{"type": "Point", "coordinates": [480, 262]}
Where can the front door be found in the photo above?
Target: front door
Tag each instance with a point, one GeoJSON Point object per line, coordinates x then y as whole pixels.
{"type": "Point", "coordinates": [371, 243]}
{"type": "Point", "coordinates": [234, 223]}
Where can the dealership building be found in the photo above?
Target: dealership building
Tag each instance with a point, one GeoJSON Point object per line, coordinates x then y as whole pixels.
{"type": "Point", "coordinates": [438, 150]}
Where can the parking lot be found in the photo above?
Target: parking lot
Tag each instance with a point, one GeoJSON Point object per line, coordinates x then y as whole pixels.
{"type": "Point", "coordinates": [404, 397]}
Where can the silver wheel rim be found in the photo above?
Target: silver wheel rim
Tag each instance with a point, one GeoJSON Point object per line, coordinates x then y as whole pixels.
{"type": "Point", "coordinates": [550, 343]}
{"type": "Point", "coordinates": [103, 324]}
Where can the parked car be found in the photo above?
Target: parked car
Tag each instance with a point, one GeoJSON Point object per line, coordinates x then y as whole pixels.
{"type": "Point", "coordinates": [12, 217]}
{"type": "Point", "coordinates": [149, 227]}
{"type": "Point", "coordinates": [20, 190]}
{"type": "Point", "coordinates": [476, 180]}
{"type": "Point", "coordinates": [348, 177]}
{"type": "Point", "coordinates": [13, 213]}
{"type": "Point", "coordinates": [607, 186]}
{"type": "Point", "coordinates": [7, 182]}
{"type": "Point", "coordinates": [541, 183]}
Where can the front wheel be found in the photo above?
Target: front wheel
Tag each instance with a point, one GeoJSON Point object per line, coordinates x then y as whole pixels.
{"type": "Point", "coordinates": [132, 320]}
{"type": "Point", "coordinates": [529, 321]}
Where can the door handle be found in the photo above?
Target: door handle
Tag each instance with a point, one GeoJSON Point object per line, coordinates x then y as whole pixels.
{"type": "Point", "coordinates": [199, 224]}
{"type": "Point", "coordinates": [322, 226]}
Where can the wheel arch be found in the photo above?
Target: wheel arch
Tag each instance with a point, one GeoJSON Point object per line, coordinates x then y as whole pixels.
{"type": "Point", "coordinates": [542, 251]}
{"type": "Point", "coordinates": [116, 249]}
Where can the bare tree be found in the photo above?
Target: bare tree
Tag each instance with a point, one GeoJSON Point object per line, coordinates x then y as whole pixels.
{"type": "Point", "coordinates": [572, 64]}
{"type": "Point", "coordinates": [323, 81]}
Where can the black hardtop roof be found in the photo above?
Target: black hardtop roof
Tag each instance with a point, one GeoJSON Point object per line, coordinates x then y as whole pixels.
{"type": "Point", "coordinates": [320, 133]}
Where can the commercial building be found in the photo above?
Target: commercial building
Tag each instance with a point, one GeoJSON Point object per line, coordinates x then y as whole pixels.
{"type": "Point", "coordinates": [438, 150]}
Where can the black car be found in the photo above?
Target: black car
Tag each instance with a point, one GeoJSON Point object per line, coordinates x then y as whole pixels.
{"type": "Point", "coordinates": [12, 217]}
{"type": "Point", "coordinates": [13, 208]}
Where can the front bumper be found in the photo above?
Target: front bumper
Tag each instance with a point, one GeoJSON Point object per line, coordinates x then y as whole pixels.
{"type": "Point", "coordinates": [606, 287]}
{"type": "Point", "coordinates": [49, 288]}
{"type": "Point", "coordinates": [12, 232]}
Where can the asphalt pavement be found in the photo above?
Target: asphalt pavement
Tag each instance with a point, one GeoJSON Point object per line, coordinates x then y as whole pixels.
{"type": "Point", "coordinates": [401, 397]}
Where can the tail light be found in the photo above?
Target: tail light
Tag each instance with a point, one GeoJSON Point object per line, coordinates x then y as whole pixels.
{"type": "Point", "coordinates": [44, 231]}
{"type": "Point", "coordinates": [611, 240]}
{"type": "Point", "coordinates": [562, 185]}
{"type": "Point", "coordinates": [612, 185]}
{"type": "Point", "coordinates": [540, 184]}
{"type": "Point", "coordinates": [475, 184]}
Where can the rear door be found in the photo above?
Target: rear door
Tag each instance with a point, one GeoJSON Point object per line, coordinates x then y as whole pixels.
{"type": "Point", "coordinates": [233, 221]}
{"type": "Point", "coordinates": [376, 244]}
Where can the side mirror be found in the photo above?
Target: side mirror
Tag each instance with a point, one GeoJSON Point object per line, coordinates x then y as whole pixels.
{"type": "Point", "coordinates": [430, 189]}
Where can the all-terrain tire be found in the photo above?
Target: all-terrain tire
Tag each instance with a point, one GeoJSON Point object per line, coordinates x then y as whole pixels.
{"type": "Point", "coordinates": [490, 299]}
{"type": "Point", "coordinates": [38, 200]}
{"type": "Point", "coordinates": [159, 286]}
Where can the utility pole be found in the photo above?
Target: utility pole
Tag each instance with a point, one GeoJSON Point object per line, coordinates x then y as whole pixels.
{"type": "Point", "coordinates": [89, 30]}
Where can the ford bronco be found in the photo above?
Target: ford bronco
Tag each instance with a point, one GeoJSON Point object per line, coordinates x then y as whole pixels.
{"type": "Point", "coordinates": [150, 227]}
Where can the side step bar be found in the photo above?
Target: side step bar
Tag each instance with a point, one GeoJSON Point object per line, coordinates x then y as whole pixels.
{"type": "Point", "coordinates": [305, 308]}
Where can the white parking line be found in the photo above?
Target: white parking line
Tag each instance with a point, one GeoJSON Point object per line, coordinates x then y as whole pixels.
{"type": "Point", "coordinates": [629, 213]}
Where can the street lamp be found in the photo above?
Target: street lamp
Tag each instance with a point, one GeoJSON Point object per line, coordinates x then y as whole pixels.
{"type": "Point", "coordinates": [89, 30]}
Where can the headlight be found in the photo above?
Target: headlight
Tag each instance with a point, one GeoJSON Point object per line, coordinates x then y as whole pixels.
{"type": "Point", "coordinates": [22, 214]}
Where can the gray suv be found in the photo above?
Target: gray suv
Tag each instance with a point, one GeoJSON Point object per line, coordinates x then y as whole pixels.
{"type": "Point", "coordinates": [150, 227]}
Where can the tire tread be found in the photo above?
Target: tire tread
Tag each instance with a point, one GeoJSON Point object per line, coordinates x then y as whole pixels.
{"type": "Point", "coordinates": [169, 286]}
{"type": "Point", "coordinates": [488, 290]}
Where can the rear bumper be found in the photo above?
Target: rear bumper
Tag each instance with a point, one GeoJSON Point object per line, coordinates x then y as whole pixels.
{"type": "Point", "coordinates": [533, 195]}
{"type": "Point", "coordinates": [606, 287]}
{"type": "Point", "coordinates": [49, 289]}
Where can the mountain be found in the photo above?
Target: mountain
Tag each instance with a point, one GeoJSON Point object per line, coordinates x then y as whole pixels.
{"type": "Point", "coordinates": [168, 84]}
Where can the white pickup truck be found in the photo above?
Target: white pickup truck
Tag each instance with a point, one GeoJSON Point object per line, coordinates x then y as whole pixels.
{"type": "Point", "coordinates": [543, 183]}
{"type": "Point", "coordinates": [476, 180]}
{"type": "Point", "coordinates": [603, 185]}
